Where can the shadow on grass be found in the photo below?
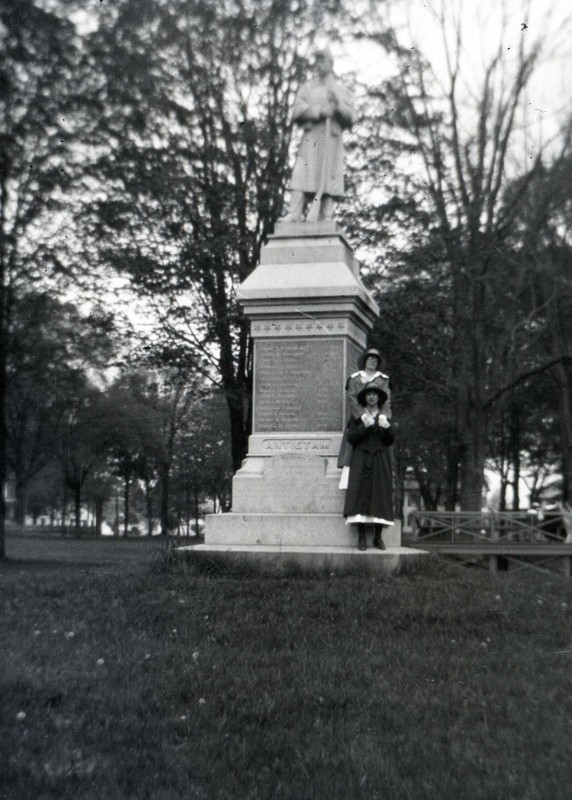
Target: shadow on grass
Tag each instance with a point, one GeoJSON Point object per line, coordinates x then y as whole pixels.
{"type": "Point", "coordinates": [170, 560]}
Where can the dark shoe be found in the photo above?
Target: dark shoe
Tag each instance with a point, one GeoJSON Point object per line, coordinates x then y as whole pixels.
{"type": "Point", "coordinates": [377, 540]}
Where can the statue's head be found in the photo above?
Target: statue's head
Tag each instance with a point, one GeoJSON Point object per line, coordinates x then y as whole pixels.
{"type": "Point", "coordinates": [324, 61]}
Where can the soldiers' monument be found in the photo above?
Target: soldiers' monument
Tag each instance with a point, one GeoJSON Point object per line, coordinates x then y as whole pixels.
{"type": "Point", "coordinates": [310, 316]}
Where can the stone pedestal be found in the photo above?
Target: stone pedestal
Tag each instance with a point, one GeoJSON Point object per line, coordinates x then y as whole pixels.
{"type": "Point", "coordinates": [310, 315]}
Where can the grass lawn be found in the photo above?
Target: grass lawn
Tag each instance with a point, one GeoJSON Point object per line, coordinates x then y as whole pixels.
{"type": "Point", "coordinates": [151, 681]}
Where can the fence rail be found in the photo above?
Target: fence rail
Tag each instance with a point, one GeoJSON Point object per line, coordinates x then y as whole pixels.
{"type": "Point", "coordinates": [491, 527]}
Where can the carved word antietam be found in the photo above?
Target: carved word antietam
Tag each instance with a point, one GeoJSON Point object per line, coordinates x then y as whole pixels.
{"type": "Point", "coordinates": [297, 445]}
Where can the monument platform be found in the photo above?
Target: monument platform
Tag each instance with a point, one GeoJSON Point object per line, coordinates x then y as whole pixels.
{"type": "Point", "coordinates": [316, 561]}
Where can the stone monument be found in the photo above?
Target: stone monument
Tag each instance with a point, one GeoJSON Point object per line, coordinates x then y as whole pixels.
{"type": "Point", "coordinates": [309, 315]}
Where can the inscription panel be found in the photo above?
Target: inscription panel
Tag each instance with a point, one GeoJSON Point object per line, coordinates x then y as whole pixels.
{"type": "Point", "coordinates": [353, 357]}
{"type": "Point", "coordinates": [298, 385]}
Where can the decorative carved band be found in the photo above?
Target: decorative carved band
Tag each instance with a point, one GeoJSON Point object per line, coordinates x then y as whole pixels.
{"type": "Point", "coordinates": [308, 327]}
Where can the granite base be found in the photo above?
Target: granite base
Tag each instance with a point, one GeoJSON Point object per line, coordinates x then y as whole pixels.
{"type": "Point", "coordinates": [288, 530]}
{"type": "Point", "coordinates": [314, 561]}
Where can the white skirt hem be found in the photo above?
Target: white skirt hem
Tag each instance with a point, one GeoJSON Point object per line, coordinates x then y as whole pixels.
{"type": "Point", "coordinates": [362, 518]}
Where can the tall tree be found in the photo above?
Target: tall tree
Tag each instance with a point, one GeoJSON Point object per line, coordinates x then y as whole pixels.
{"type": "Point", "coordinates": [203, 467]}
{"type": "Point", "coordinates": [545, 236]}
{"type": "Point", "coordinates": [130, 433]}
{"type": "Point", "coordinates": [147, 415]}
{"type": "Point", "coordinates": [38, 68]}
{"type": "Point", "coordinates": [191, 142]}
{"type": "Point", "coordinates": [54, 351]}
{"type": "Point", "coordinates": [414, 334]}
{"type": "Point", "coordinates": [463, 137]}
{"type": "Point", "coordinates": [81, 444]}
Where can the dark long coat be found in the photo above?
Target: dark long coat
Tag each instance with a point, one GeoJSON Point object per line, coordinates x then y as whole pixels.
{"type": "Point", "coordinates": [354, 385]}
{"type": "Point", "coordinates": [370, 486]}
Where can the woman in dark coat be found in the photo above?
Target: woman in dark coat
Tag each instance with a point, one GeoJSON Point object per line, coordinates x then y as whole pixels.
{"type": "Point", "coordinates": [369, 496]}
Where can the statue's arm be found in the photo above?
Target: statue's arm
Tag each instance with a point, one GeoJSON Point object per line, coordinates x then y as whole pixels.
{"type": "Point", "coordinates": [304, 108]}
{"type": "Point", "coordinates": [345, 108]}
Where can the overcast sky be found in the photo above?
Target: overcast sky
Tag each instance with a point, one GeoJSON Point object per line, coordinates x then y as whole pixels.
{"type": "Point", "coordinates": [485, 24]}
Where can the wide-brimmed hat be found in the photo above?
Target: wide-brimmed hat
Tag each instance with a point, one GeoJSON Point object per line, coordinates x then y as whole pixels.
{"type": "Point", "coordinates": [371, 351]}
{"type": "Point", "coordinates": [371, 387]}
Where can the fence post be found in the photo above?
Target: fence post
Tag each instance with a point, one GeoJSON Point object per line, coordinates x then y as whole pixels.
{"type": "Point", "coordinates": [415, 525]}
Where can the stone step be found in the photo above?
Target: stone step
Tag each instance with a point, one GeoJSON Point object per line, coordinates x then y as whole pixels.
{"type": "Point", "coordinates": [292, 560]}
{"type": "Point", "coordinates": [288, 530]}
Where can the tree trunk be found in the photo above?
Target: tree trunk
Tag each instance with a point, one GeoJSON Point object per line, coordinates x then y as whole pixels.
{"type": "Point", "coordinates": [470, 409]}
{"type": "Point", "coordinates": [515, 455]}
{"type": "Point", "coordinates": [452, 486]}
{"type": "Point", "coordinates": [565, 425]}
{"type": "Point", "coordinates": [457, 455]}
{"type": "Point", "coordinates": [20, 511]}
{"type": "Point", "coordinates": [235, 381]}
{"type": "Point", "coordinates": [502, 494]}
{"type": "Point", "coordinates": [98, 509]}
{"type": "Point", "coordinates": [77, 509]}
{"type": "Point", "coordinates": [3, 470]}
{"type": "Point", "coordinates": [149, 507]}
{"type": "Point", "coordinates": [428, 500]}
{"type": "Point", "coordinates": [502, 469]}
{"type": "Point", "coordinates": [126, 495]}
{"type": "Point", "coordinates": [164, 472]}
{"type": "Point", "coordinates": [472, 466]}
{"type": "Point", "coordinates": [4, 326]}
{"type": "Point", "coordinates": [116, 523]}
{"type": "Point", "coordinates": [238, 431]}
{"type": "Point", "coordinates": [64, 504]}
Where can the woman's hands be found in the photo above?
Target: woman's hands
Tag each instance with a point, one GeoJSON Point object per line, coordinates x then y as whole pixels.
{"type": "Point", "coordinates": [369, 420]}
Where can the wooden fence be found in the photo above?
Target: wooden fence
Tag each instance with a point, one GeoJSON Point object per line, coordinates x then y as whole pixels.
{"type": "Point", "coordinates": [501, 540]}
{"type": "Point", "coordinates": [490, 526]}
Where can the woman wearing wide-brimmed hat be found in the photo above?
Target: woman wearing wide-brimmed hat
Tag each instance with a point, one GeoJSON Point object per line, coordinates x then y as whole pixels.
{"type": "Point", "coordinates": [368, 372]}
{"type": "Point", "coordinates": [369, 497]}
